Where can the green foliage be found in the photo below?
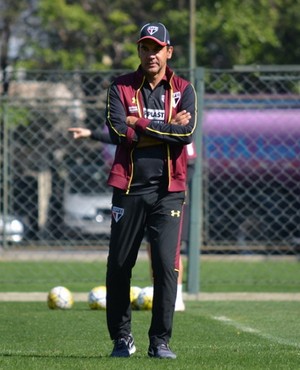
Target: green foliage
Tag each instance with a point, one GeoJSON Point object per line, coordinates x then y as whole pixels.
{"type": "Point", "coordinates": [287, 30]}
{"type": "Point", "coordinates": [87, 34]}
{"type": "Point", "coordinates": [72, 32]}
{"type": "Point", "coordinates": [235, 32]}
{"type": "Point", "coordinates": [131, 60]}
{"type": "Point", "coordinates": [67, 17]}
{"type": "Point", "coordinates": [14, 116]}
{"type": "Point", "coordinates": [80, 36]}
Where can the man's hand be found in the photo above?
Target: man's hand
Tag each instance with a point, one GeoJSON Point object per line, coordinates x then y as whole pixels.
{"type": "Point", "coordinates": [182, 118]}
{"type": "Point", "coordinates": [131, 121]}
{"type": "Point", "coordinates": [80, 132]}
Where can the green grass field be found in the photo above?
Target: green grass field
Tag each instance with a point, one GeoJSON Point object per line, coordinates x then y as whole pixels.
{"type": "Point", "coordinates": [216, 275]}
{"type": "Point", "coordinates": [208, 335]}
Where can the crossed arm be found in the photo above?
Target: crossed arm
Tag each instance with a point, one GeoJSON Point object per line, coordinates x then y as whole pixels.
{"type": "Point", "coordinates": [131, 128]}
{"type": "Point", "coordinates": [182, 119]}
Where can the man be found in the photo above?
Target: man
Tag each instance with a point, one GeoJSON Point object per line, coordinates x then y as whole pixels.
{"type": "Point", "coordinates": [99, 135]}
{"type": "Point", "coordinates": [151, 116]}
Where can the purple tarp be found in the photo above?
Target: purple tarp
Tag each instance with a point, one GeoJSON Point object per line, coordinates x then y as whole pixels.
{"type": "Point", "coordinates": [259, 141]}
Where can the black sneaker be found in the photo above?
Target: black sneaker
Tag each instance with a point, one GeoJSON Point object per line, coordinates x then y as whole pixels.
{"type": "Point", "coordinates": [123, 346]}
{"type": "Point", "coordinates": [161, 351]}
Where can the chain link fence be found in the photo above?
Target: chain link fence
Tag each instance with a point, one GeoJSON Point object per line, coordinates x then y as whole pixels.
{"type": "Point", "coordinates": [251, 141]}
{"type": "Point", "coordinates": [53, 188]}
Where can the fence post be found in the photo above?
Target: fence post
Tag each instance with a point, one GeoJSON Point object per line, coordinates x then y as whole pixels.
{"type": "Point", "coordinates": [195, 227]}
{"type": "Point", "coordinates": [4, 155]}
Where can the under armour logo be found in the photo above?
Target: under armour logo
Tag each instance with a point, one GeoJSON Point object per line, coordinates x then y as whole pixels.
{"type": "Point", "coordinates": [175, 213]}
{"type": "Point", "coordinates": [117, 213]}
{"type": "Point", "coordinates": [152, 29]}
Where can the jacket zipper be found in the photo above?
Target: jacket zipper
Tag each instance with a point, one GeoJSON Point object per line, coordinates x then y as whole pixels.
{"type": "Point", "coordinates": [131, 153]}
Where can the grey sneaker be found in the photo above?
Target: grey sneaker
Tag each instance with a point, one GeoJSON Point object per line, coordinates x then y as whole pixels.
{"type": "Point", "coordinates": [161, 351]}
{"type": "Point", "coordinates": [123, 346]}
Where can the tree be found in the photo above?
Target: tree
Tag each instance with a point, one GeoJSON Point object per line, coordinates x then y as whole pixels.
{"type": "Point", "coordinates": [91, 34]}
{"type": "Point", "coordinates": [77, 35]}
{"type": "Point", "coordinates": [235, 32]}
{"type": "Point", "coordinates": [287, 29]}
{"type": "Point", "coordinates": [9, 16]}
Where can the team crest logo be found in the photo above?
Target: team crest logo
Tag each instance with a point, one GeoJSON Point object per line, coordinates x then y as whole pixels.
{"type": "Point", "coordinates": [117, 213]}
{"type": "Point", "coordinates": [152, 29]}
{"type": "Point", "coordinates": [176, 98]}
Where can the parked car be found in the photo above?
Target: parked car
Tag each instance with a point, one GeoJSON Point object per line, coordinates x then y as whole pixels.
{"type": "Point", "coordinates": [11, 228]}
{"type": "Point", "coordinates": [87, 207]}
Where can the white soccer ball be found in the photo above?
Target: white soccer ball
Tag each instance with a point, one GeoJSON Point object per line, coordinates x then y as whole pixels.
{"type": "Point", "coordinates": [145, 298]}
{"type": "Point", "coordinates": [134, 293]}
{"type": "Point", "coordinates": [97, 298]}
{"type": "Point", "coordinates": [60, 297]}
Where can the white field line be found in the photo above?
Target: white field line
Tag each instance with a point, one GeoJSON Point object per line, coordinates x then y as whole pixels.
{"type": "Point", "coordinates": [247, 296]}
{"type": "Point", "coordinates": [247, 329]}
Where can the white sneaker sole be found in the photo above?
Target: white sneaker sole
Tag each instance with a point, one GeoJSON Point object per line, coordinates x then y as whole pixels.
{"type": "Point", "coordinates": [132, 350]}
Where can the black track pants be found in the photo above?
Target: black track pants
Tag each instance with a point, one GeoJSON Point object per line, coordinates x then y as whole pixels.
{"type": "Point", "coordinates": [161, 213]}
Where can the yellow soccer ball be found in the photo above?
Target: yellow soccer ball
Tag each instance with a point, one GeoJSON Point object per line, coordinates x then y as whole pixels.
{"type": "Point", "coordinates": [97, 298]}
{"type": "Point", "coordinates": [134, 293]}
{"type": "Point", "coordinates": [145, 298]}
{"type": "Point", "coordinates": [60, 297]}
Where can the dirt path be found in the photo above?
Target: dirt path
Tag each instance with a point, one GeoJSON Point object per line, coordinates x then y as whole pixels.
{"type": "Point", "coordinates": [82, 297]}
